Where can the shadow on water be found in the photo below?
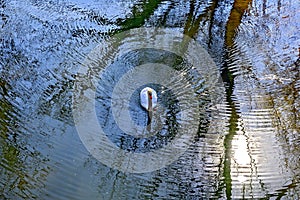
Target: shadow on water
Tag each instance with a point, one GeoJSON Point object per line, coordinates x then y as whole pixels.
{"type": "Point", "coordinates": [20, 164]}
{"type": "Point", "coordinates": [247, 146]}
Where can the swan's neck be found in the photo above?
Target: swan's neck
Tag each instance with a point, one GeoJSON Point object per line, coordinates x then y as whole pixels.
{"type": "Point", "coordinates": [149, 108]}
{"type": "Point", "coordinates": [149, 102]}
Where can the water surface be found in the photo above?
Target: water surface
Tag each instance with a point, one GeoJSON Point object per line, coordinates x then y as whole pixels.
{"type": "Point", "coordinates": [247, 143]}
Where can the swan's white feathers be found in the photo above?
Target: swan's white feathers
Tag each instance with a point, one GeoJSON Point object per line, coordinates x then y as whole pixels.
{"type": "Point", "coordinates": [144, 97]}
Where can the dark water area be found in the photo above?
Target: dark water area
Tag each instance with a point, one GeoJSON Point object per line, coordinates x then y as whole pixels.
{"type": "Point", "coordinates": [229, 130]}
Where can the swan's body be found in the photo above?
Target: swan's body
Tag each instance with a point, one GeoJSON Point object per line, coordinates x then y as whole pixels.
{"type": "Point", "coordinates": [148, 98]}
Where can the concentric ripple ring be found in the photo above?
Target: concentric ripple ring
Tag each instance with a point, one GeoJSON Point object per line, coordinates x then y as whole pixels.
{"type": "Point", "coordinates": [90, 131]}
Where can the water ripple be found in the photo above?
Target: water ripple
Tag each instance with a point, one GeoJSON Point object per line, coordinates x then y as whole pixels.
{"type": "Point", "coordinates": [247, 145]}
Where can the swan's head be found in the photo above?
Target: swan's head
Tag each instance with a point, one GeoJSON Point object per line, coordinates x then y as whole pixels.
{"type": "Point", "coordinates": [149, 92]}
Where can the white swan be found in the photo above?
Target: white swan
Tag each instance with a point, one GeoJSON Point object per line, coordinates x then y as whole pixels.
{"type": "Point", "coordinates": [148, 98]}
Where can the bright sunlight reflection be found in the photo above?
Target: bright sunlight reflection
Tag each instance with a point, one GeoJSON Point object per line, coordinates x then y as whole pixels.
{"type": "Point", "coordinates": [241, 154]}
